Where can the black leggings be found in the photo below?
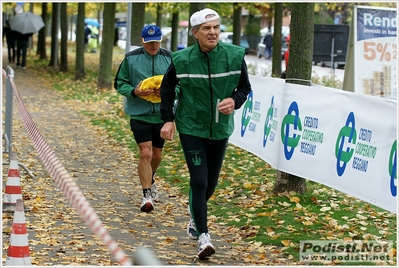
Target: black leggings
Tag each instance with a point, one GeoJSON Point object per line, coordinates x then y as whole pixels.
{"type": "Point", "coordinates": [204, 159]}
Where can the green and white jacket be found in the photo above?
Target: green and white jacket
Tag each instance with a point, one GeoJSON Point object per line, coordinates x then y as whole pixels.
{"type": "Point", "coordinates": [205, 79]}
{"type": "Point", "coordinates": [135, 67]}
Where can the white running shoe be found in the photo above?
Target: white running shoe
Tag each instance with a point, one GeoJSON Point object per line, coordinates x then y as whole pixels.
{"type": "Point", "coordinates": [147, 205]}
{"type": "Point", "coordinates": [154, 192]}
{"type": "Point", "coordinates": [205, 247]}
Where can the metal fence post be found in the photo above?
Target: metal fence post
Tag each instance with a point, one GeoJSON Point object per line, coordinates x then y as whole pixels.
{"type": "Point", "coordinates": [8, 121]}
{"type": "Point", "coordinates": [8, 113]}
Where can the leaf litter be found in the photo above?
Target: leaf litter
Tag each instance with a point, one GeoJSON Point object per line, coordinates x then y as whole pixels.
{"type": "Point", "coordinates": [105, 171]}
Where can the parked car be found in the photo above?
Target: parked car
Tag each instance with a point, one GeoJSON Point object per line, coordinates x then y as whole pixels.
{"type": "Point", "coordinates": [227, 37]}
{"type": "Point", "coordinates": [337, 64]}
{"type": "Point", "coordinates": [285, 30]}
{"type": "Point", "coordinates": [261, 48]}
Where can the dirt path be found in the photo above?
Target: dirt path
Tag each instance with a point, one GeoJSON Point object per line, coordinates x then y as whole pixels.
{"type": "Point", "coordinates": [106, 174]}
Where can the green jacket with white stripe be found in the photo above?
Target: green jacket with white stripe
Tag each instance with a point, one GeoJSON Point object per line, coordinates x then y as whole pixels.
{"type": "Point", "coordinates": [205, 79]}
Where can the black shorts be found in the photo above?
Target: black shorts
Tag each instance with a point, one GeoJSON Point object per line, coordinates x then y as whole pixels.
{"type": "Point", "coordinates": [144, 131]}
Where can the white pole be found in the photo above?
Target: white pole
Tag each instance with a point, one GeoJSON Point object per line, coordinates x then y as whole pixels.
{"type": "Point", "coordinates": [128, 27]}
{"type": "Point", "coordinates": [128, 38]}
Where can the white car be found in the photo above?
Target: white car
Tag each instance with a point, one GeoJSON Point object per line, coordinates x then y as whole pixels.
{"type": "Point", "coordinates": [285, 30]}
{"type": "Point", "coordinates": [227, 37]}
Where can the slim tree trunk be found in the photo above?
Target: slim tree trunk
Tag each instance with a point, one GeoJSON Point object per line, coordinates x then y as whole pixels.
{"type": "Point", "coordinates": [64, 38]}
{"type": "Point", "coordinates": [80, 43]}
{"type": "Point", "coordinates": [54, 35]}
{"type": "Point", "coordinates": [41, 41]}
{"type": "Point", "coordinates": [138, 11]}
{"type": "Point", "coordinates": [105, 67]}
{"type": "Point", "coordinates": [237, 24]}
{"type": "Point", "coordinates": [277, 40]}
{"type": "Point", "coordinates": [159, 14]}
{"type": "Point", "coordinates": [30, 38]}
{"type": "Point", "coordinates": [299, 72]}
{"type": "Point", "coordinates": [175, 32]}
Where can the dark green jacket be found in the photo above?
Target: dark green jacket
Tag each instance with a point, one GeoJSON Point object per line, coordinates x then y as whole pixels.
{"type": "Point", "coordinates": [205, 79]}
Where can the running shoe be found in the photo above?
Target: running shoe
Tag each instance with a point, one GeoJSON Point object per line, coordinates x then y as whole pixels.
{"type": "Point", "coordinates": [191, 229]}
{"type": "Point", "coordinates": [154, 192]}
{"type": "Point", "coordinates": [147, 205]}
{"type": "Point", "coordinates": [205, 248]}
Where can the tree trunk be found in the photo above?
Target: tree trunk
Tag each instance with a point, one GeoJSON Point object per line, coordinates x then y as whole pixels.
{"type": "Point", "coordinates": [288, 182]}
{"type": "Point", "coordinates": [54, 35]}
{"type": "Point", "coordinates": [194, 7]}
{"type": "Point", "coordinates": [31, 37]}
{"type": "Point", "coordinates": [80, 43]}
{"type": "Point", "coordinates": [41, 41]}
{"type": "Point", "coordinates": [301, 45]}
{"type": "Point", "coordinates": [277, 40]}
{"type": "Point", "coordinates": [299, 72]}
{"type": "Point", "coordinates": [159, 14]}
{"type": "Point", "coordinates": [105, 67]}
{"type": "Point", "coordinates": [237, 24]}
{"type": "Point", "coordinates": [64, 38]}
{"type": "Point", "coordinates": [138, 11]}
{"type": "Point", "coordinates": [175, 32]}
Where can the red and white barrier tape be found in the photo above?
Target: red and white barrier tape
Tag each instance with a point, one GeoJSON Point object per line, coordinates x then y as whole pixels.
{"type": "Point", "coordinates": [64, 182]}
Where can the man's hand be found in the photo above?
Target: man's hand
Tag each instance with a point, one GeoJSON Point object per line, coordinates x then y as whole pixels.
{"type": "Point", "coordinates": [226, 106]}
{"type": "Point", "coordinates": [168, 131]}
{"type": "Point", "coordinates": [139, 92]}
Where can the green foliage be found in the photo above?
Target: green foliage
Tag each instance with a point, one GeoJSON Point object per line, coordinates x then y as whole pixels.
{"type": "Point", "coordinates": [252, 27]}
{"type": "Point", "coordinates": [327, 81]}
{"type": "Point", "coordinates": [323, 18]}
{"type": "Point", "coordinates": [223, 9]}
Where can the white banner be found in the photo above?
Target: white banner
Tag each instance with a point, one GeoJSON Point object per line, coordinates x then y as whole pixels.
{"type": "Point", "coordinates": [257, 119]}
{"type": "Point", "coordinates": [344, 140]}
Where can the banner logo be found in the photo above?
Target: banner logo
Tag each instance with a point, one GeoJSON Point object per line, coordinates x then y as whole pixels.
{"type": "Point", "coordinates": [392, 168]}
{"type": "Point", "coordinates": [291, 120]}
{"type": "Point", "coordinates": [343, 155]}
{"type": "Point", "coordinates": [246, 113]}
{"type": "Point", "coordinates": [347, 147]}
{"type": "Point", "coordinates": [268, 122]}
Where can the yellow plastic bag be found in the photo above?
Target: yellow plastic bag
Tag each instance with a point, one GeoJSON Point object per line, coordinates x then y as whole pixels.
{"type": "Point", "coordinates": [154, 83]}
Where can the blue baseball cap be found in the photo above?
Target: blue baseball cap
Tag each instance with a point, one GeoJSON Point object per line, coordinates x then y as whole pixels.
{"type": "Point", "coordinates": [151, 33]}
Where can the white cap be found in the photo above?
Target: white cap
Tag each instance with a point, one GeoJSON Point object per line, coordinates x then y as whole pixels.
{"type": "Point", "coordinates": [203, 16]}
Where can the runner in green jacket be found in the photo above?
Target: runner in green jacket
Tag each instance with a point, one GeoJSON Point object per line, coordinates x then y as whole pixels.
{"type": "Point", "coordinates": [145, 118]}
{"type": "Point", "coordinates": [213, 81]}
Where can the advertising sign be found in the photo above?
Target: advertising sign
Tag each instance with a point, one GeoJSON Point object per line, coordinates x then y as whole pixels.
{"type": "Point", "coordinates": [341, 139]}
{"type": "Point", "coordinates": [375, 47]}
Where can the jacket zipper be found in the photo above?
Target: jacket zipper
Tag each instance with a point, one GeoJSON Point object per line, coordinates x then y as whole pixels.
{"type": "Point", "coordinates": [211, 95]}
{"type": "Point", "coordinates": [153, 73]}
